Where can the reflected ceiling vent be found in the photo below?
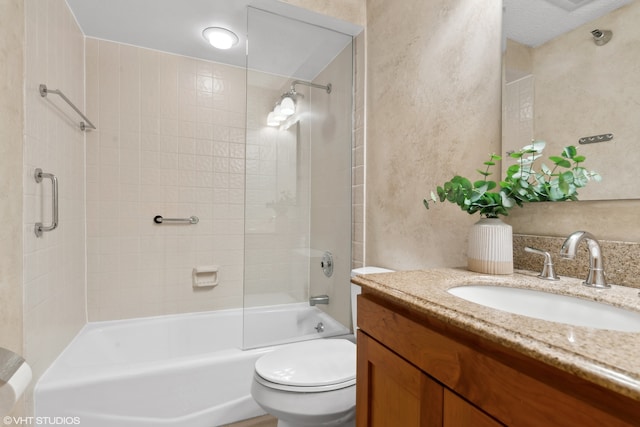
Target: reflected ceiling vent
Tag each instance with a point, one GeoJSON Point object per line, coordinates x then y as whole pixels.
{"type": "Point", "coordinates": [569, 5]}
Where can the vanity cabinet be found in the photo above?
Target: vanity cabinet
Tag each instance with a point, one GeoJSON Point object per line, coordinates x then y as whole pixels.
{"type": "Point", "coordinates": [397, 393]}
{"type": "Point", "coordinates": [416, 370]}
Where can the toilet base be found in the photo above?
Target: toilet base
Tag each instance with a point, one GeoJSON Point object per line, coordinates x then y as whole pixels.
{"type": "Point", "coordinates": [334, 408]}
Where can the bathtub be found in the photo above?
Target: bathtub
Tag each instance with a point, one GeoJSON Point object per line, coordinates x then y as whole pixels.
{"type": "Point", "coordinates": [178, 371]}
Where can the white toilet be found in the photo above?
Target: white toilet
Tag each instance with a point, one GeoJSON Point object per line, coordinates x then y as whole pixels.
{"type": "Point", "coordinates": [311, 383]}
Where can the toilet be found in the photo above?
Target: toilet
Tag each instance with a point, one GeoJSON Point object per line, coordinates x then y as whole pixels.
{"type": "Point", "coordinates": [311, 383]}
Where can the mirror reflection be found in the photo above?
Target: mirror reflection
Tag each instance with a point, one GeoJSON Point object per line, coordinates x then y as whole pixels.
{"type": "Point", "coordinates": [571, 72]}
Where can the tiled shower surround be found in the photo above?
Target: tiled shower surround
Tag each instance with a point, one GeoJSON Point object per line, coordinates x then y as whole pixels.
{"type": "Point", "coordinates": [170, 142]}
{"type": "Point", "coordinates": [54, 264]}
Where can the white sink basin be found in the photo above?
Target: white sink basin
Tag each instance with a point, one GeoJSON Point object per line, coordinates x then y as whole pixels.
{"type": "Point", "coordinates": [551, 307]}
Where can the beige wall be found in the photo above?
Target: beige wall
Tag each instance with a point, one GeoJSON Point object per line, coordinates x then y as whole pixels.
{"type": "Point", "coordinates": [433, 101]}
{"type": "Point", "coordinates": [11, 121]}
{"type": "Point", "coordinates": [170, 142]}
{"type": "Point", "coordinates": [582, 89]}
{"type": "Point", "coordinates": [448, 119]}
{"type": "Point", "coordinates": [607, 220]}
{"type": "Point", "coordinates": [54, 267]}
{"type": "Point", "coordinates": [353, 11]}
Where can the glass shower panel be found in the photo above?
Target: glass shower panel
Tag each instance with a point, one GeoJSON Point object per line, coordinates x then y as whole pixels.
{"type": "Point", "coordinates": [287, 56]}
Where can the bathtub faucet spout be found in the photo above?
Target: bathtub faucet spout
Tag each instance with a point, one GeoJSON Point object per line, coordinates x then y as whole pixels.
{"type": "Point", "coordinates": [320, 299]}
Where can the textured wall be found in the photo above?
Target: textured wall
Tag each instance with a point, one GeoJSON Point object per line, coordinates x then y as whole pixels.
{"type": "Point", "coordinates": [608, 220]}
{"type": "Point", "coordinates": [433, 101]}
{"type": "Point", "coordinates": [582, 89]}
{"type": "Point", "coordinates": [353, 11]}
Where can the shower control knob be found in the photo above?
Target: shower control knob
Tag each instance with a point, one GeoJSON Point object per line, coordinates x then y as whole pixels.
{"type": "Point", "coordinates": [327, 264]}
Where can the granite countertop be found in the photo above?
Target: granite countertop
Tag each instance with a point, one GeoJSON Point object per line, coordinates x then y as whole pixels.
{"type": "Point", "coordinates": [608, 358]}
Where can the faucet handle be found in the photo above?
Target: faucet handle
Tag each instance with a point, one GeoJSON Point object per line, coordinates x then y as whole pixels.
{"type": "Point", "coordinates": [548, 272]}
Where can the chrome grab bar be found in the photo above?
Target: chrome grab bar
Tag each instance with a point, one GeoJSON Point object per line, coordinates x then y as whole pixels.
{"type": "Point", "coordinates": [40, 227]}
{"type": "Point", "coordinates": [44, 91]}
{"type": "Point", "coordinates": [158, 219]}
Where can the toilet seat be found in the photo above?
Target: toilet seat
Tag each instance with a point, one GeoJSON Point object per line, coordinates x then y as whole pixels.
{"type": "Point", "coordinates": [309, 366]}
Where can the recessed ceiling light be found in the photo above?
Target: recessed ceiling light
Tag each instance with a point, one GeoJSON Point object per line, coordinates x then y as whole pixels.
{"type": "Point", "coordinates": [220, 38]}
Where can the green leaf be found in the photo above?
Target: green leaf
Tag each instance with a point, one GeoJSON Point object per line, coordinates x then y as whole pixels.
{"type": "Point", "coordinates": [522, 182]}
{"type": "Point", "coordinates": [580, 176]}
{"type": "Point", "coordinates": [578, 159]}
{"type": "Point", "coordinates": [478, 193]}
{"type": "Point", "coordinates": [507, 202]}
{"type": "Point", "coordinates": [569, 152]}
{"type": "Point", "coordinates": [545, 169]}
{"type": "Point", "coordinates": [535, 147]}
{"type": "Point", "coordinates": [559, 161]}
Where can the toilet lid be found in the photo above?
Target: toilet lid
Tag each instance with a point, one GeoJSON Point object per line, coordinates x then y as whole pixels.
{"type": "Point", "coordinates": [313, 363]}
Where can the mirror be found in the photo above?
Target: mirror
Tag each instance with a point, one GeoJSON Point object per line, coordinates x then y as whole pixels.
{"type": "Point", "coordinates": [563, 84]}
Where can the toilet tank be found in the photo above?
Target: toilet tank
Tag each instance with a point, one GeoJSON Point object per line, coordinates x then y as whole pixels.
{"type": "Point", "coordinates": [355, 289]}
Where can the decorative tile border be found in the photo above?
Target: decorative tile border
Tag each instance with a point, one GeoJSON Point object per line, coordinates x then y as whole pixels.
{"type": "Point", "coordinates": [621, 259]}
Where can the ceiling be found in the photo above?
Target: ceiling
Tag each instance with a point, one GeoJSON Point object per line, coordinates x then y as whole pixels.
{"type": "Point", "coordinates": [534, 22]}
{"type": "Point", "coordinates": [281, 41]}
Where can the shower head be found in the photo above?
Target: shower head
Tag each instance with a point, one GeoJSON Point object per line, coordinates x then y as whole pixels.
{"type": "Point", "coordinates": [601, 37]}
{"type": "Point", "coordinates": [286, 106]}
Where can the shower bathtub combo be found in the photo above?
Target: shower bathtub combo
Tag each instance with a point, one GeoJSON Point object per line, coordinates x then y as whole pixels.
{"type": "Point", "coordinates": [174, 371]}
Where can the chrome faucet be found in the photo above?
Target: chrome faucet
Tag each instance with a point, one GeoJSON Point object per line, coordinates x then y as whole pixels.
{"type": "Point", "coordinates": [320, 299]}
{"type": "Point", "coordinates": [596, 277]}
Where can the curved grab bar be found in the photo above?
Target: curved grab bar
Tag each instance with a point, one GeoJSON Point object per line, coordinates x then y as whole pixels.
{"type": "Point", "coordinates": [40, 227]}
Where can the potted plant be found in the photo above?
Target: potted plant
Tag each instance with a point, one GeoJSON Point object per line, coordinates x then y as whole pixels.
{"type": "Point", "coordinates": [490, 240]}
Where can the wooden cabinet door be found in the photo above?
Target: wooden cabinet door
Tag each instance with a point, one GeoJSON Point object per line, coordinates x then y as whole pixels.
{"type": "Point", "coordinates": [457, 412]}
{"type": "Point", "coordinates": [391, 392]}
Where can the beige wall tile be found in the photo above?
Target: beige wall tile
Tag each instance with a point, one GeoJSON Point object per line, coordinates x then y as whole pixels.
{"type": "Point", "coordinates": [54, 265]}
{"type": "Point", "coordinates": [162, 149]}
{"type": "Point", "coordinates": [11, 205]}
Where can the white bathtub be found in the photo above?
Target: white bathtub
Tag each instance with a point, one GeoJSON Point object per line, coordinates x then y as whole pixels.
{"type": "Point", "coordinates": [178, 371]}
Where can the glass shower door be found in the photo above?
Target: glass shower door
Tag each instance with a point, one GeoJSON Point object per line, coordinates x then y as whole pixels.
{"type": "Point", "coordinates": [283, 170]}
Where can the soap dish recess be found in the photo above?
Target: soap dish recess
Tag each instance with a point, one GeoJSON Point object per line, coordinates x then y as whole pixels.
{"type": "Point", "coordinates": [205, 276]}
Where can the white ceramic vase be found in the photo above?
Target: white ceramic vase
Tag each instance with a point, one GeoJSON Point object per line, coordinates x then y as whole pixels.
{"type": "Point", "coordinates": [490, 247]}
